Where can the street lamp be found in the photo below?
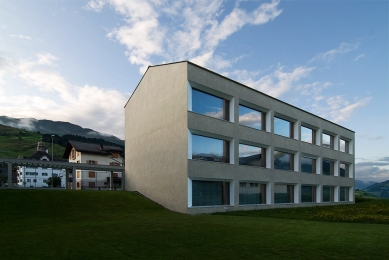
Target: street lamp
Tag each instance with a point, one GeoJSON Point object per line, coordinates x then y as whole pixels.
{"type": "Point", "coordinates": [52, 158]}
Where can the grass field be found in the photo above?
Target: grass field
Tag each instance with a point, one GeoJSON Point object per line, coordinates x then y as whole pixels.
{"type": "Point", "coordinates": [15, 142]}
{"type": "Point", "coordinates": [58, 224]}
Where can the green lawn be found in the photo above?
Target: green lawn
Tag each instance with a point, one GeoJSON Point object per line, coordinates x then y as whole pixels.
{"type": "Point", "coordinates": [58, 224]}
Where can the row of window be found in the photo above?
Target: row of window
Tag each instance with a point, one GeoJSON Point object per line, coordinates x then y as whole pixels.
{"type": "Point", "coordinates": [213, 193]}
{"type": "Point", "coordinates": [217, 150]}
{"type": "Point", "coordinates": [213, 106]}
{"type": "Point", "coordinates": [92, 174]}
{"type": "Point", "coordinates": [34, 174]}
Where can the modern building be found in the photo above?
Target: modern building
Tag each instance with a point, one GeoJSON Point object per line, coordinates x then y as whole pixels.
{"type": "Point", "coordinates": [198, 142]}
{"type": "Point", "coordinates": [37, 177]}
{"type": "Point", "coordinates": [89, 153]}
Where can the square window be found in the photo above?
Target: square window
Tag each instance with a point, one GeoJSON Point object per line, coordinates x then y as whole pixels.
{"type": "Point", "coordinates": [283, 161]}
{"type": "Point", "coordinates": [308, 193]}
{"type": "Point", "coordinates": [252, 155]}
{"type": "Point", "coordinates": [343, 170]}
{"type": "Point", "coordinates": [252, 193]}
{"type": "Point", "coordinates": [210, 149]}
{"type": "Point", "coordinates": [283, 193]}
{"type": "Point", "coordinates": [252, 118]}
{"type": "Point", "coordinates": [328, 141]}
{"type": "Point", "coordinates": [210, 105]}
{"type": "Point", "coordinates": [283, 127]}
{"type": "Point", "coordinates": [308, 165]}
{"type": "Point", "coordinates": [307, 135]}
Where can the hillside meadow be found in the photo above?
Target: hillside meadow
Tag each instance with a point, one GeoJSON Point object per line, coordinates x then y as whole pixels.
{"type": "Point", "coordinates": [59, 224]}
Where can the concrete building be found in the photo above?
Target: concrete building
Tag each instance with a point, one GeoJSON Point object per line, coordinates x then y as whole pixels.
{"type": "Point", "coordinates": [36, 177]}
{"type": "Point", "coordinates": [89, 153]}
{"type": "Point", "coordinates": [198, 142]}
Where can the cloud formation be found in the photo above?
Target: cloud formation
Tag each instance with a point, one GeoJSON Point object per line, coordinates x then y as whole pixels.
{"type": "Point", "coordinates": [372, 171]}
{"type": "Point", "coordinates": [330, 55]}
{"type": "Point", "coordinates": [88, 106]}
{"type": "Point", "coordinates": [186, 30]}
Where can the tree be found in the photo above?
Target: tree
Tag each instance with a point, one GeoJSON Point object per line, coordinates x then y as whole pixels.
{"type": "Point", "coordinates": [57, 181]}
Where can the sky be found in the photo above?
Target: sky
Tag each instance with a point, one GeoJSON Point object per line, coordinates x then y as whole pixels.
{"type": "Point", "coordinates": [79, 61]}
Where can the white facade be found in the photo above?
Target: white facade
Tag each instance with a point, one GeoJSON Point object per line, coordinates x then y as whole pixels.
{"type": "Point", "coordinates": [36, 177]}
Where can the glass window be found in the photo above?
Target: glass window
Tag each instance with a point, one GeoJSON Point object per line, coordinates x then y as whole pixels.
{"type": "Point", "coordinates": [328, 141]}
{"type": "Point", "coordinates": [328, 194]}
{"type": "Point", "coordinates": [343, 170]}
{"type": "Point", "coordinates": [308, 165]}
{"type": "Point", "coordinates": [252, 193]}
{"type": "Point", "coordinates": [210, 149]}
{"type": "Point", "coordinates": [283, 161]}
{"type": "Point", "coordinates": [209, 105]}
{"type": "Point", "coordinates": [210, 193]}
{"type": "Point", "coordinates": [307, 135]}
{"type": "Point", "coordinates": [283, 127]}
{"type": "Point", "coordinates": [344, 194]}
{"type": "Point", "coordinates": [308, 193]}
{"type": "Point", "coordinates": [91, 175]}
{"type": "Point", "coordinates": [44, 174]}
{"type": "Point", "coordinates": [328, 167]}
{"type": "Point", "coordinates": [283, 193]}
{"type": "Point", "coordinates": [252, 155]}
{"type": "Point", "coordinates": [343, 146]}
{"type": "Point", "coordinates": [28, 180]}
{"type": "Point", "coordinates": [251, 118]}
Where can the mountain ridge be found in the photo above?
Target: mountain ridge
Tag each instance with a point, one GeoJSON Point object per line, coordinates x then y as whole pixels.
{"type": "Point", "coordinates": [61, 128]}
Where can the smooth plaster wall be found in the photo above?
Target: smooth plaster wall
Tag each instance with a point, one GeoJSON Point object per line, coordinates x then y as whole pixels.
{"type": "Point", "coordinates": [156, 136]}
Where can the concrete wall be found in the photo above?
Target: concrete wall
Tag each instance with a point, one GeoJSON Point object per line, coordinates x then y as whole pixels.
{"type": "Point", "coordinates": [225, 88]}
{"type": "Point", "coordinates": [156, 136]}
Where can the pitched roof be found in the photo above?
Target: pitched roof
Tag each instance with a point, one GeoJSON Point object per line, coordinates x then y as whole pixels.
{"type": "Point", "coordinates": [39, 154]}
{"type": "Point", "coordinates": [91, 148]}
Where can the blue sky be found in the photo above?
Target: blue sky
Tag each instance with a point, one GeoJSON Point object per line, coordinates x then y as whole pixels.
{"type": "Point", "coordinates": [79, 61]}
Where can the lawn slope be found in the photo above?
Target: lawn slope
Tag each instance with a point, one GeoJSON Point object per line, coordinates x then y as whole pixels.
{"type": "Point", "coordinates": [58, 224]}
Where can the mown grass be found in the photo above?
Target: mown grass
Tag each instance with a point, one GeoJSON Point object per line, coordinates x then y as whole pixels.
{"type": "Point", "coordinates": [366, 210]}
{"type": "Point", "coordinates": [58, 224]}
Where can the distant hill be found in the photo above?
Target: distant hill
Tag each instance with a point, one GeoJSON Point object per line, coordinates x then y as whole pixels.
{"type": "Point", "coordinates": [361, 185]}
{"type": "Point", "coordinates": [56, 127]}
{"type": "Point", "coordinates": [380, 190]}
{"type": "Point", "coordinates": [15, 142]}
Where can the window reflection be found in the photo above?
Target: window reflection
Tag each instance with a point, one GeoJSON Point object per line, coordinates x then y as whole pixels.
{"type": "Point", "coordinates": [282, 127]}
{"type": "Point", "coordinates": [252, 193]}
{"type": "Point", "coordinates": [308, 193]}
{"type": "Point", "coordinates": [308, 165]}
{"type": "Point", "coordinates": [327, 141]}
{"type": "Point", "coordinates": [283, 193]}
{"type": "Point", "coordinates": [328, 194]}
{"type": "Point", "coordinates": [209, 193]}
{"type": "Point", "coordinates": [343, 170]}
{"type": "Point", "coordinates": [343, 146]}
{"type": "Point", "coordinates": [328, 167]}
{"type": "Point", "coordinates": [252, 155]}
{"type": "Point", "coordinates": [210, 149]}
{"type": "Point", "coordinates": [307, 135]}
{"type": "Point", "coordinates": [250, 117]}
{"type": "Point", "coordinates": [344, 194]}
{"type": "Point", "coordinates": [209, 105]}
{"type": "Point", "coordinates": [283, 161]}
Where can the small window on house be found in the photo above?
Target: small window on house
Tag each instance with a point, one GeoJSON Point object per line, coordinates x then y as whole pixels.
{"type": "Point", "coordinates": [91, 162]}
{"type": "Point", "coordinates": [344, 146]}
{"type": "Point", "coordinates": [91, 175]}
{"type": "Point", "coordinates": [328, 141]}
{"type": "Point", "coordinates": [115, 155]}
{"type": "Point", "coordinates": [78, 185]}
{"type": "Point", "coordinates": [116, 175]}
{"type": "Point", "coordinates": [114, 164]}
{"type": "Point", "coordinates": [210, 105]}
{"type": "Point", "coordinates": [328, 167]}
{"type": "Point", "coordinates": [44, 174]}
{"type": "Point", "coordinates": [28, 180]}
{"type": "Point", "coordinates": [92, 185]}
{"type": "Point", "coordinates": [307, 135]}
{"type": "Point", "coordinates": [283, 127]}
{"type": "Point", "coordinates": [283, 161]}
{"type": "Point", "coordinates": [252, 118]}
{"type": "Point", "coordinates": [78, 173]}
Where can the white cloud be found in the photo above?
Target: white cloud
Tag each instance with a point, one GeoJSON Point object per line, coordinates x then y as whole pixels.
{"type": "Point", "coordinates": [372, 170]}
{"type": "Point", "coordinates": [187, 30]}
{"type": "Point", "coordinates": [337, 108]}
{"type": "Point", "coordinates": [23, 37]}
{"type": "Point", "coordinates": [88, 106]}
{"type": "Point", "coordinates": [278, 82]}
{"type": "Point", "coordinates": [359, 57]}
{"type": "Point", "coordinates": [314, 89]}
{"type": "Point", "coordinates": [332, 54]}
